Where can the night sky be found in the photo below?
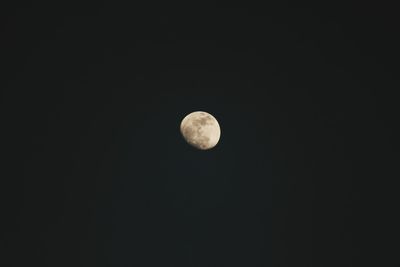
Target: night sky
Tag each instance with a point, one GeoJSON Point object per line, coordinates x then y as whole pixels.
{"type": "Point", "coordinates": [96, 173]}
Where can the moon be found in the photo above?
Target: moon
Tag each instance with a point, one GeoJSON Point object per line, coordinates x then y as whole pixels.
{"type": "Point", "coordinates": [201, 130]}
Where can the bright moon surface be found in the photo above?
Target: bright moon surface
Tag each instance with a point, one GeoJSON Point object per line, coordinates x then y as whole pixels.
{"type": "Point", "coordinates": [201, 130]}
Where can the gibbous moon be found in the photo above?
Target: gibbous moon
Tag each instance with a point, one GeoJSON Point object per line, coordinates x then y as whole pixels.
{"type": "Point", "coordinates": [201, 130]}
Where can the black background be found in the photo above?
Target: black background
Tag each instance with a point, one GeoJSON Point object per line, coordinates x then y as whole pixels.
{"type": "Point", "coordinates": [95, 172]}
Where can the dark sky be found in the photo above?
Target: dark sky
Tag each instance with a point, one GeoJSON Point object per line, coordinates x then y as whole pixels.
{"type": "Point", "coordinates": [96, 173]}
